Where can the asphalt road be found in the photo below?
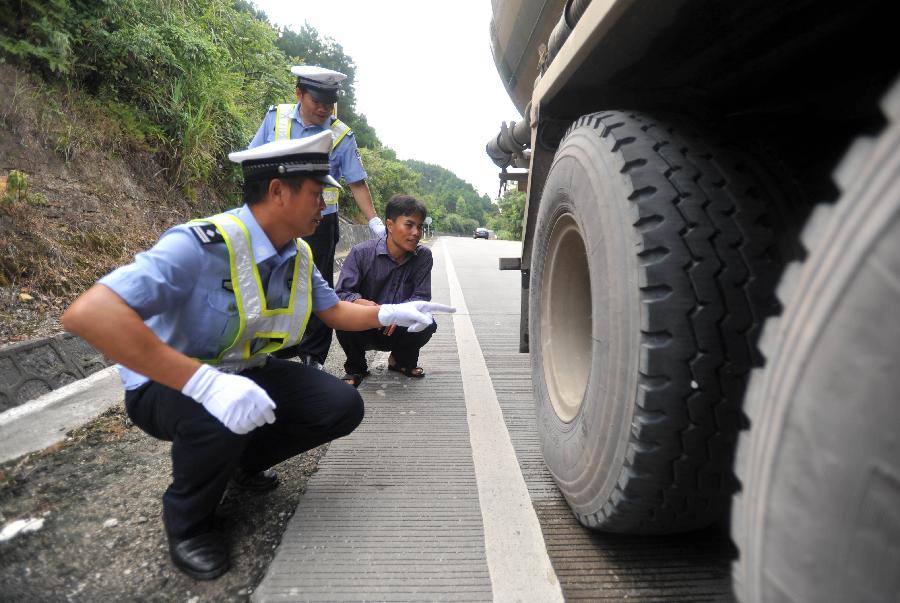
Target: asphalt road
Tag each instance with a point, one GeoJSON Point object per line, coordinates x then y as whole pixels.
{"type": "Point", "coordinates": [441, 494]}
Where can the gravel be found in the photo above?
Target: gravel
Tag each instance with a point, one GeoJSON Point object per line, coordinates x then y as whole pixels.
{"type": "Point", "coordinates": [99, 494]}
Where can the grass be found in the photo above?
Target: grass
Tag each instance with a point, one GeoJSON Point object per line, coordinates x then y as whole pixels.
{"type": "Point", "coordinates": [93, 196]}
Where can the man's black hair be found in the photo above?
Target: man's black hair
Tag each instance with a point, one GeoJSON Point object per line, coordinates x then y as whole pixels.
{"type": "Point", "coordinates": [404, 205]}
{"type": "Point", "coordinates": [255, 191]}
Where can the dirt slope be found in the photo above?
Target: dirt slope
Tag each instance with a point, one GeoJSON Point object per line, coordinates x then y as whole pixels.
{"type": "Point", "coordinates": [93, 201]}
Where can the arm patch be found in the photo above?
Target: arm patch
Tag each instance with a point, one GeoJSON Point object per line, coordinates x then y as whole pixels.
{"type": "Point", "coordinates": [207, 233]}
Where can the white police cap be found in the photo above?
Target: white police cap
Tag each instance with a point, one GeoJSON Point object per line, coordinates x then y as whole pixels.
{"type": "Point", "coordinates": [297, 157]}
{"type": "Point", "coordinates": [322, 83]}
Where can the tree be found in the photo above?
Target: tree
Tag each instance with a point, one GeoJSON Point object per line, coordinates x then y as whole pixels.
{"type": "Point", "coordinates": [386, 177]}
{"type": "Point", "coordinates": [512, 209]}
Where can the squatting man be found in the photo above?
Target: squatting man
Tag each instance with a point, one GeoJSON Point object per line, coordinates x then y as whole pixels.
{"type": "Point", "coordinates": [192, 323]}
{"type": "Point", "coordinates": [392, 269]}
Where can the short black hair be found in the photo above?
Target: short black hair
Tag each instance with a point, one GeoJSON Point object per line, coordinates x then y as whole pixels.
{"type": "Point", "coordinates": [255, 190]}
{"type": "Point", "coordinates": [404, 205]}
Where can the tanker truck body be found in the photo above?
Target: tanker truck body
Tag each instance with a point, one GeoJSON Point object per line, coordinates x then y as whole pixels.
{"type": "Point", "coordinates": [711, 274]}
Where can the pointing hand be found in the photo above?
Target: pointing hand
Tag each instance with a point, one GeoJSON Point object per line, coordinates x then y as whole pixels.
{"type": "Point", "coordinates": [415, 315]}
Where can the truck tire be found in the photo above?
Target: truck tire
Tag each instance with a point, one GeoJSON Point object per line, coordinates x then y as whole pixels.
{"type": "Point", "coordinates": [652, 270]}
{"type": "Point", "coordinates": [818, 517]}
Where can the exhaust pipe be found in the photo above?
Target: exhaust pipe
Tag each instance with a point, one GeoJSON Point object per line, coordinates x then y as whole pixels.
{"type": "Point", "coordinates": [511, 146]}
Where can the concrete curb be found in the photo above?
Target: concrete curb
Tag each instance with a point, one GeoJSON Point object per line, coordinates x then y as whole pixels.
{"type": "Point", "coordinates": [44, 421]}
{"type": "Point", "coordinates": [30, 369]}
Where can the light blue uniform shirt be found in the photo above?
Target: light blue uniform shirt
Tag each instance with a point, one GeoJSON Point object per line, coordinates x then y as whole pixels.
{"type": "Point", "coordinates": [345, 159]}
{"type": "Point", "coordinates": [178, 288]}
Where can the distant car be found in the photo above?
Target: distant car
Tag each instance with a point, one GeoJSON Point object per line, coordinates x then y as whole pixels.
{"type": "Point", "coordinates": [481, 233]}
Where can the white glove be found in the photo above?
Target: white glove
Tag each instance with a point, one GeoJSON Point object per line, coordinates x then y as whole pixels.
{"type": "Point", "coordinates": [239, 403]}
{"type": "Point", "coordinates": [415, 315]}
{"type": "Point", "coordinates": [377, 227]}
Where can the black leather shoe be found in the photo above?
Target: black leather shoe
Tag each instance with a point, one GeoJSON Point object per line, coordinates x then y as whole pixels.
{"type": "Point", "coordinates": [201, 557]}
{"type": "Point", "coordinates": [254, 482]}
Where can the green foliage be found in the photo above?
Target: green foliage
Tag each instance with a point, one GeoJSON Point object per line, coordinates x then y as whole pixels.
{"type": "Point", "coordinates": [188, 81]}
{"type": "Point", "coordinates": [35, 31]}
{"type": "Point", "coordinates": [508, 223]}
{"type": "Point", "coordinates": [17, 184]}
{"type": "Point", "coordinates": [15, 192]}
{"type": "Point", "coordinates": [195, 73]}
{"type": "Point", "coordinates": [446, 194]}
{"type": "Point", "coordinates": [387, 177]}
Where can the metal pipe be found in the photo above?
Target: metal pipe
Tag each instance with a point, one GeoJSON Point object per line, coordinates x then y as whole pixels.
{"type": "Point", "coordinates": [509, 146]}
{"type": "Point", "coordinates": [572, 12]}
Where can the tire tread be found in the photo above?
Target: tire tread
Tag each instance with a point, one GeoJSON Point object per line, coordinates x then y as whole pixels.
{"type": "Point", "coordinates": [707, 273]}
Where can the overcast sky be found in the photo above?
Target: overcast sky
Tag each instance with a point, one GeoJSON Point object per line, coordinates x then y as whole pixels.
{"type": "Point", "coordinates": [425, 78]}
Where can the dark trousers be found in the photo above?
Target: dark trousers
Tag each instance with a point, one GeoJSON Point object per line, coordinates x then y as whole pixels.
{"type": "Point", "coordinates": [317, 338]}
{"type": "Point", "coordinates": [402, 344]}
{"type": "Point", "coordinates": [312, 407]}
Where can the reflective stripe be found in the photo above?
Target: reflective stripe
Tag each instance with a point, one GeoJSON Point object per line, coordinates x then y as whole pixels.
{"type": "Point", "coordinates": [283, 121]}
{"type": "Point", "coordinates": [331, 194]}
{"type": "Point", "coordinates": [338, 130]}
{"type": "Point", "coordinates": [278, 328]}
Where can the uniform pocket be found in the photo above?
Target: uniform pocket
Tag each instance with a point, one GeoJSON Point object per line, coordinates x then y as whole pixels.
{"type": "Point", "coordinates": [224, 317]}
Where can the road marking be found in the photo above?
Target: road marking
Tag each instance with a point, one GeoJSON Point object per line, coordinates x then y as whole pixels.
{"type": "Point", "coordinates": [517, 557]}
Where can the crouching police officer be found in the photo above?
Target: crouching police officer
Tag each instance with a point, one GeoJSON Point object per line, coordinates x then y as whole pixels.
{"type": "Point", "coordinates": [317, 92]}
{"type": "Point", "coordinates": [192, 323]}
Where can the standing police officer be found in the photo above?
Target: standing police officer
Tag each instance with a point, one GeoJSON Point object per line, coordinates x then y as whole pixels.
{"type": "Point", "coordinates": [317, 93]}
{"type": "Point", "coordinates": [192, 323]}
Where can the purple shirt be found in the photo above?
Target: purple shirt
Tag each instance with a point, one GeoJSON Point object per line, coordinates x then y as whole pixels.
{"type": "Point", "coordinates": [369, 272]}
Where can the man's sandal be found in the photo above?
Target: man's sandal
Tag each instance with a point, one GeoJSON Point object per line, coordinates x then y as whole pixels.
{"type": "Point", "coordinates": [355, 379]}
{"type": "Point", "coordinates": [413, 373]}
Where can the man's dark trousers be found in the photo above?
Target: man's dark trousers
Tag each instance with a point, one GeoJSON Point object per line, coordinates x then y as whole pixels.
{"type": "Point", "coordinates": [311, 408]}
{"type": "Point", "coordinates": [401, 343]}
{"type": "Point", "coordinates": [317, 337]}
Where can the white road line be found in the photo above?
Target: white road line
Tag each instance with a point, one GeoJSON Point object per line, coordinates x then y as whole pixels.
{"type": "Point", "coordinates": [516, 554]}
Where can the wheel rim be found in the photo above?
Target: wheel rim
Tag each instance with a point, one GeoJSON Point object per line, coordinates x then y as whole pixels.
{"type": "Point", "coordinates": [566, 323]}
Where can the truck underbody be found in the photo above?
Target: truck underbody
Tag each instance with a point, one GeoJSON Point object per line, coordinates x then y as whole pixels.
{"type": "Point", "coordinates": [699, 170]}
{"type": "Point", "coordinates": [793, 84]}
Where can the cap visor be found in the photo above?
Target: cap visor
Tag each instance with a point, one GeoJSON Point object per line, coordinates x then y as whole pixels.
{"type": "Point", "coordinates": [323, 96]}
{"type": "Point", "coordinates": [329, 181]}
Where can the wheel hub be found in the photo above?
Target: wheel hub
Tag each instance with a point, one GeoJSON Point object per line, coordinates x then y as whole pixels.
{"type": "Point", "coordinates": [566, 321]}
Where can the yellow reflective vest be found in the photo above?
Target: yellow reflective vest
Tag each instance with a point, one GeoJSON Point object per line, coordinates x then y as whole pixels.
{"type": "Point", "coordinates": [261, 330]}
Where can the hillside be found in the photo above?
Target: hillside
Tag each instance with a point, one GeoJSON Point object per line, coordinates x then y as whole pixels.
{"type": "Point", "coordinates": [91, 204]}
{"type": "Point", "coordinates": [118, 117]}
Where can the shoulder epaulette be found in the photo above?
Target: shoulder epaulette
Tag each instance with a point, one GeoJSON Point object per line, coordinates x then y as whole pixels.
{"type": "Point", "coordinates": [206, 233]}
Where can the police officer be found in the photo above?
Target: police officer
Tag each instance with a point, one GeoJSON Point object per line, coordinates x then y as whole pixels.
{"type": "Point", "coordinates": [317, 92]}
{"type": "Point", "coordinates": [192, 323]}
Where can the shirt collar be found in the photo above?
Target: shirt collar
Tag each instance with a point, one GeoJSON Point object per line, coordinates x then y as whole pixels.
{"type": "Point", "coordinates": [262, 246]}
